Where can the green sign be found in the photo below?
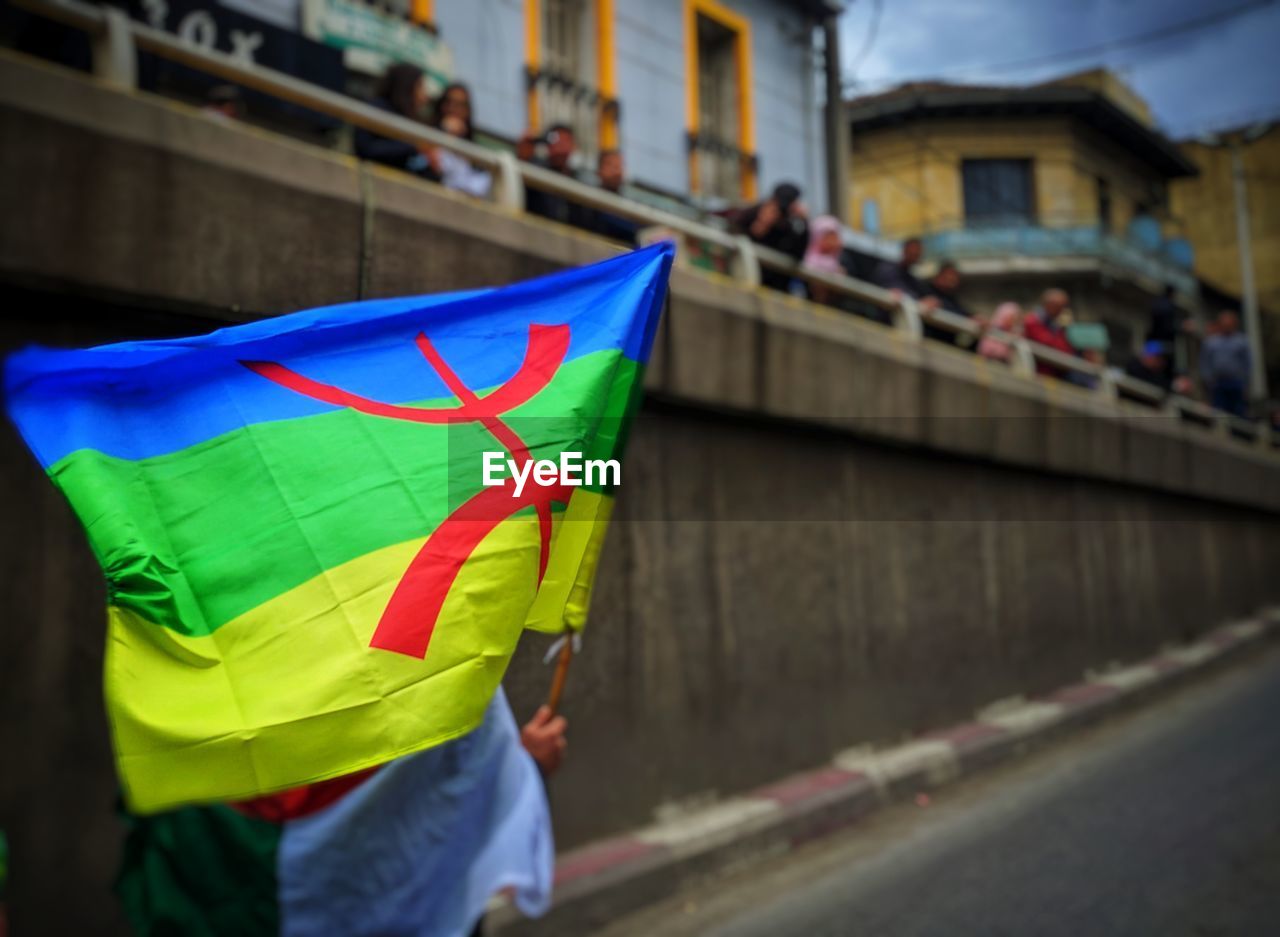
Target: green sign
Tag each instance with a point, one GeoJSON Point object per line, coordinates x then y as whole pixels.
{"type": "Point", "coordinates": [1088, 336]}
{"type": "Point", "coordinates": [372, 40]}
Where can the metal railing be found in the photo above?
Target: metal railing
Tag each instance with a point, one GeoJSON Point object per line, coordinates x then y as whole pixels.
{"type": "Point", "coordinates": [721, 165]}
{"type": "Point", "coordinates": [565, 100]}
{"type": "Point", "coordinates": [116, 40]}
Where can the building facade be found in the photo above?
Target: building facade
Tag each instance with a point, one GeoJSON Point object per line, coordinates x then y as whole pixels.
{"type": "Point", "coordinates": [1063, 184]}
{"type": "Point", "coordinates": [1219, 206]}
{"type": "Point", "coordinates": [711, 98]}
{"type": "Point", "coordinates": [712, 101]}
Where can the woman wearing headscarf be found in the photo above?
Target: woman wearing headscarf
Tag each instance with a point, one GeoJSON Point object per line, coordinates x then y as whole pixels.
{"type": "Point", "coordinates": [453, 116]}
{"type": "Point", "coordinates": [823, 254]}
{"type": "Point", "coordinates": [1007, 318]}
{"type": "Point", "coordinates": [403, 92]}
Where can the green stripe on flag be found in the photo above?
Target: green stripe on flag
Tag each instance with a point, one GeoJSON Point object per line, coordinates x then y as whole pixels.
{"type": "Point", "coordinates": [311, 493]}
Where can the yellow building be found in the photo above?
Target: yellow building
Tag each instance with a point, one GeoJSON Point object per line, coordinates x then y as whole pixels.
{"type": "Point", "coordinates": [1063, 184]}
{"type": "Point", "coordinates": [1210, 199]}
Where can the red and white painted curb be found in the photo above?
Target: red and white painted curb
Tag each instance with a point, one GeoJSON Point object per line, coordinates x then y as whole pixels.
{"type": "Point", "coordinates": [598, 882]}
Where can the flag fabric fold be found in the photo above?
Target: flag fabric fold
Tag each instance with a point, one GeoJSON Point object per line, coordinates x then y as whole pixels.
{"type": "Point", "coordinates": [307, 575]}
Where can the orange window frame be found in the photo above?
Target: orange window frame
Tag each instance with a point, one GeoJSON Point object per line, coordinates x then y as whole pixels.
{"type": "Point", "coordinates": [740, 26]}
{"type": "Point", "coordinates": [606, 68]}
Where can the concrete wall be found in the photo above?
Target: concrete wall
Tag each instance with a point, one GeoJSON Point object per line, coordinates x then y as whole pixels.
{"type": "Point", "coordinates": [828, 534]}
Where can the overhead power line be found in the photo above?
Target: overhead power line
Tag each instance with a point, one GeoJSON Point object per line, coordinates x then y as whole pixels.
{"type": "Point", "coordinates": [1229, 120]}
{"type": "Point", "coordinates": [1165, 32]}
{"type": "Point", "coordinates": [873, 30]}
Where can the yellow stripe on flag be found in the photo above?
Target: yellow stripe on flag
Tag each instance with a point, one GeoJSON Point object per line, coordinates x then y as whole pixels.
{"type": "Point", "coordinates": [263, 703]}
{"type": "Point", "coordinates": [565, 595]}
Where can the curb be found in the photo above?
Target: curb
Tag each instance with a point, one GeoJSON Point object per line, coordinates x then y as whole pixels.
{"type": "Point", "coordinates": [598, 883]}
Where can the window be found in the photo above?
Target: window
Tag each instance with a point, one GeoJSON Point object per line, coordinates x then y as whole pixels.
{"type": "Point", "coordinates": [1104, 205]}
{"type": "Point", "coordinates": [998, 192]}
{"type": "Point", "coordinates": [1156, 200]}
{"type": "Point", "coordinates": [719, 171]}
{"type": "Point", "coordinates": [569, 47]}
{"type": "Point", "coordinates": [870, 216]}
{"type": "Point", "coordinates": [722, 163]}
{"type": "Point", "coordinates": [562, 34]}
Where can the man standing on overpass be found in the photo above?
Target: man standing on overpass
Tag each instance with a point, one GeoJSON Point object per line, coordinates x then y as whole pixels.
{"type": "Point", "coordinates": [1225, 363]}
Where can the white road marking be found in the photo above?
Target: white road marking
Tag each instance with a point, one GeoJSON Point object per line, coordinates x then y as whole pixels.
{"type": "Point", "coordinates": [698, 826]}
{"type": "Point", "coordinates": [1025, 719]}
{"type": "Point", "coordinates": [936, 758]}
{"type": "Point", "coordinates": [1128, 678]}
{"type": "Point", "coordinates": [1193, 654]}
{"type": "Point", "coordinates": [1247, 629]}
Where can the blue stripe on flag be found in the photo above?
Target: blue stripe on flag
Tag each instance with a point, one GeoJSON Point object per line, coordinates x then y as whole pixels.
{"type": "Point", "coordinates": [139, 399]}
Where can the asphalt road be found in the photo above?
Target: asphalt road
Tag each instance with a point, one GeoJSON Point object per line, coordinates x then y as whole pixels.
{"type": "Point", "coordinates": [1164, 822]}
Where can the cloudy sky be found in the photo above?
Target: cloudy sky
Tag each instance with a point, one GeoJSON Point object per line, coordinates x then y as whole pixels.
{"type": "Point", "coordinates": [1222, 74]}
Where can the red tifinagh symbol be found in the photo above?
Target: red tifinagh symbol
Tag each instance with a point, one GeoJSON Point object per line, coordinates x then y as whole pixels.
{"type": "Point", "coordinates": [410, 617]}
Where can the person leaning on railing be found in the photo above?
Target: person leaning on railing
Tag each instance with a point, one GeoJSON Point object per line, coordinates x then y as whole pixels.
{"type": "Point", "coordinates": [223, 102]}
{"type": "Point", "coordinates": [403, 92]}
{"type": "Point", "coordinates": [1008, 318]}
{"type": "Point", "coordinates": [612, 174]}
{"type": "Point", "coordinates": [1225, 364]}
{"type": "Point", "coordinates": [1150, 366]}
{"type": "Point", "coordinates": [779, 222]}
{"type": "Point", "coordinates": [1166, 319]}
{"type": "Point", "coordinates": [943, 292]}
{"type": "Point", "coordinates": [558, 146]}
{"type": "Point", "coordinates": [825, 255]}
{"type": "Point", "coordinates": [1047, 325]}
{"type": "Point", "coordinates": [452, 114]}
{"type": "Point", "coordinates": [898, 277]}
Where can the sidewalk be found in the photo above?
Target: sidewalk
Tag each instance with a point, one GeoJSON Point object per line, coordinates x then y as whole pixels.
{"type": "Point", "coordinates": [600, 882]}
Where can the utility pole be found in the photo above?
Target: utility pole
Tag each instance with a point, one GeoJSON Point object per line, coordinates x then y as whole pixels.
{"type": "Point", "coordinates": [1248, 288]}
{"type": "Point", "coordinates": [837, 129]}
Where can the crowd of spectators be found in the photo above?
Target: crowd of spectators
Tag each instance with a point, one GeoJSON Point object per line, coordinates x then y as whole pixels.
{"type": "Point", "coordinates": [781, 222]}
{"type": "Point", "coordinates": [1224, 357]}
{"type": "Point", "coordinates": [403, 92]}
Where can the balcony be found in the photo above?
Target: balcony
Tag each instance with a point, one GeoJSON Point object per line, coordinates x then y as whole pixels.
{"type": "Point", "coordinates": [721, 166]}
{"type": "Point", "coordinates": [566, 100]}
{"type": "Point", "coordinates": [1141, 254]}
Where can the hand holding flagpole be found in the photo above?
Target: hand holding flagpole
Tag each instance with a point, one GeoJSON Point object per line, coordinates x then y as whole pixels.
{"type": "Point", "coordinates": [543, 736]}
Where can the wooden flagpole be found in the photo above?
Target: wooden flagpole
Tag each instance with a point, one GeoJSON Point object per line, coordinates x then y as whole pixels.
{"type": "Point", "coordinates": [561, 674]}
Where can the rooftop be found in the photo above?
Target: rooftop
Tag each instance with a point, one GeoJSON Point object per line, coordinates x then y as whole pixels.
{"type": "Point", "coordinates": [924, 100]}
